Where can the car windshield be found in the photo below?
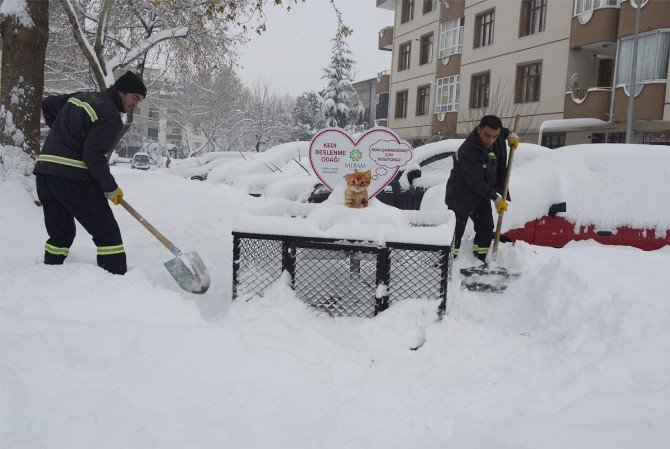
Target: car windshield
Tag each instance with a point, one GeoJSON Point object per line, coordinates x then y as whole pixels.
{"type": "Point", "coordinates": [143, 158]}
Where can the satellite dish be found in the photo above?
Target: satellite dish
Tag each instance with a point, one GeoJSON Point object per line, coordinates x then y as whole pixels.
{"type": "Point", "coordinates": [574, 81]}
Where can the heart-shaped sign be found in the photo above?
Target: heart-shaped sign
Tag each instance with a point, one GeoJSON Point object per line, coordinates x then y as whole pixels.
{"type": "Point", "coordinates": [334, 154]}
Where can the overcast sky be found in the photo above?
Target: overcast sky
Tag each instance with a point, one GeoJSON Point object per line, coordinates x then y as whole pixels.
{"type": "Point", "coordinates": [296, 47]}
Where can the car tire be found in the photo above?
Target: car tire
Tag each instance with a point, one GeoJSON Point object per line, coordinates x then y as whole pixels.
{"type": "Point", "coordinates": [197, 178]}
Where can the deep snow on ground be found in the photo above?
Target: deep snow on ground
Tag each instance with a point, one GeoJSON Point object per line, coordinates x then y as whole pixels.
{"type": "Point", "coordinates": [573, 355]}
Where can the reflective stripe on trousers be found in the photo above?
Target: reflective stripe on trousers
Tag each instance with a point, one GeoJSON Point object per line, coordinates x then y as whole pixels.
{"type": "Point", "coordinates": [56, 250]}
{"type": "Point", "coordinates": [109, 250]}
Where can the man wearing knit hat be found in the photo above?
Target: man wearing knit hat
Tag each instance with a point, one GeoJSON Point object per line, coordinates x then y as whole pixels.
{"type": "Point", "coordinates": [72, 173]}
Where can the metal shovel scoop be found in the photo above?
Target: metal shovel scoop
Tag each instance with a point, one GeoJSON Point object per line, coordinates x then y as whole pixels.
{"type": "Point", "coordinates": [186, 268]}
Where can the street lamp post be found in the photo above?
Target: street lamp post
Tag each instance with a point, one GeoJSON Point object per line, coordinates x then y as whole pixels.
{"type": "Point", "coordinates": [633, 69]}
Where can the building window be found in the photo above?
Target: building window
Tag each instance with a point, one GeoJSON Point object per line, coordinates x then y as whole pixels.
{"type": "Point", "coordinates": [154, 113]}
{"type": "Point", "coordinates": [407, 11]}
{"type": "Point", "coordinates": [616, 138]}
{"type": "Point", "coordinates": [429, 6]}
{"type": "Point", "coordinates": [479, 95]}
{"type": "Point", "coordinates": [174, 134]}
{"type": "Point", "coordinates": [553, 140]}
{"type": "Point", "coordinates": [652, 57]}
{"type": "Point", "coordinates": [533, 16]}
{"type": "Point", "coordinates": [382, 105]}
{"type": "Point", "coordinates": [422, 100]}
{"type": "Point", "coordinates": [405, 52]}
{"type": "Point", "coordinates": [484, 28]}
{"type": "Point", "coordinates": [451, 37]}
{"type": "Point", "coordinates": [528, 82]}
{"type": "Point", "coordinates": [448, 91]}
{"type": "Point", "coordinates": [582, 6]}
{"type": "Point", "coordinates": [401, 104]}
{"type": "Point", "coordinates": [426, 54]}
{"type": "Point", "coordinates": [152, 133]}
{"type": "Point", "coordinates": [136, 111]}
{"type": "Point", "coordinates": [595, 138]}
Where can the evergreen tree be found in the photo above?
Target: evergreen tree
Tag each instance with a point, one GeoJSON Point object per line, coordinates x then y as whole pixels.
{"type": "Point", "coordinates": [341, 105]}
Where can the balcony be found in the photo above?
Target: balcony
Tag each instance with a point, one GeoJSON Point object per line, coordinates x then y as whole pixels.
{"type": "Point", "coordinates": [648, 104]}
{"type": "Point", "coordinates": [591, 102]}
{"type": "Point", "coordinates": [444, 124]}
{"type": "Point", "coordinates": [386, 4]}
{"type": "Point", "coordinates": [654, 15]}
{"type": "Point", "coordinates": [594, 28]}
{"type": "Point", "coordinates": [383, 81]}
{"type": "Point", "coordinates": [457, 9]}
{"type": "Point", "coordinates": [386, 39]}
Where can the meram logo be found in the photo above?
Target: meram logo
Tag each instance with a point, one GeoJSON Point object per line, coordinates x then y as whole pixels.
{"type": "Point", "coordinates": [355, 155]}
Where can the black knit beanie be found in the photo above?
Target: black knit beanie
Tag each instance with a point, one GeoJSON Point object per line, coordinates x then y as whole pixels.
{"type": "Point", "coordinates": [131, 83]}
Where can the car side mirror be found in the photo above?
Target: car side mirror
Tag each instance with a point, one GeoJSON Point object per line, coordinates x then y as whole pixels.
{"type": "Point", "coordinates": [554, 209]}
{"type": "Point", "coordinates": [412, 175]}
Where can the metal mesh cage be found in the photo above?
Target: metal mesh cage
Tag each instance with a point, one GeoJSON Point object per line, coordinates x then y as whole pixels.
{"type": "Point", "coordinates": [341, 278]}
{"type": "Point", "coordinates": [339, 283]}
{"type": "Point", "coordinates": [415, 274]}
{"type": "Point", "coordinates": [259, 266]}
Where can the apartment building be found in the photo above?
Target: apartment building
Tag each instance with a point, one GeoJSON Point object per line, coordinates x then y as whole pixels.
{"type": "Point", "coordinates": [563, 65]}
{"type": "Point", "coordinates": [367, 94]}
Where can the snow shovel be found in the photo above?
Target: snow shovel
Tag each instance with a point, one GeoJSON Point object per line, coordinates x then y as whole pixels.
{"type": "Point", "coordinates": [186, 268]}
{"type": "Point", "coordinates": [491, 278]}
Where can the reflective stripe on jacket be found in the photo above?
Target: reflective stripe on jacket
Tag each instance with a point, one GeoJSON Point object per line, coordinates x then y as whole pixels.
{"type": "Point", "coordinates": [478, 173]}
{"type": "Point", "coordinates": [84, 126]}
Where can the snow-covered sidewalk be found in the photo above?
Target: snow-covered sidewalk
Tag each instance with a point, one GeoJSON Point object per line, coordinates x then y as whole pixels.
{"type": "Point", "coordinates": [574, 354]}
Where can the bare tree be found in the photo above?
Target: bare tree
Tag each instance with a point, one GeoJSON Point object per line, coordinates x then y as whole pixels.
{"type": "Point", "coordinates": [113, 34]}
{"type": "Point", "coordinates": [268, 119]}
{"type": "Point", "coordinates": [211, 104]}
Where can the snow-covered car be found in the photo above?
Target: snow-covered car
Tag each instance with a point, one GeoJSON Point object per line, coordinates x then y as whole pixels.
{"type": "Point", "coordinates": [260, 163]}
{"type": "Point", "coordinates": [255, 184]}
{"type": "Point", "coordinates": [612, 193]}
{"type": "Point", "coordinates": [140, 161]}
{"type": "Point", "coordinates": [198, 167]}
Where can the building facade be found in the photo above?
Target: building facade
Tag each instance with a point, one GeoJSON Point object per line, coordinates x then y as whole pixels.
{"type": "Point", "coordinates": [367, 94]}
{"type": "Point", "coordinates": [563, 65]}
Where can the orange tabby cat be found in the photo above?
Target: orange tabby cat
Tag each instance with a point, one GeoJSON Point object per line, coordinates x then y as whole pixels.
{"type": "Point", "coordinates": [356, 193]}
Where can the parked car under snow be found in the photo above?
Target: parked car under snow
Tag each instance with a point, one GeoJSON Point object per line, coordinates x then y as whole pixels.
{"type": "Point", "coordinates": [260, 163]}
{"type": "Point", "coordinates": [612, 193]}
{"type": "Point", "coordinates": [198, 167]}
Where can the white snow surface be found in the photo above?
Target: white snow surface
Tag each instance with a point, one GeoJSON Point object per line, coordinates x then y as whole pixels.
{"type": "Point", "coordinates": [573, 355]}
{"type": "Point", "coordinates": [378, 223]}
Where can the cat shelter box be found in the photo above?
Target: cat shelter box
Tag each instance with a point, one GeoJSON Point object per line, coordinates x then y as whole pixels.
{"type": "Point", "coordinates": [347, 268]}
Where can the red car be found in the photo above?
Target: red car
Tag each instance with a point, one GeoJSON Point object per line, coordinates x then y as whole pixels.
{"type": "Point", "coordinates": [615, 194]}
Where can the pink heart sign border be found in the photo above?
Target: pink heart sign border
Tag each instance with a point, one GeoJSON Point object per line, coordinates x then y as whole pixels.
{"type": "Point", "coordinates": [333, 153]}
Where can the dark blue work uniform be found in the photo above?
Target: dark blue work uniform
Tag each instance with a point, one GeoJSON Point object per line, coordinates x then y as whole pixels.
{"type": "Point", "coordinates": [477, 177]}
{"type": "Point", "coordinates": [72, 175]}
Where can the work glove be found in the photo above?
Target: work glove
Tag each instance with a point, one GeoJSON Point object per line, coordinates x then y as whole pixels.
{"type": "Point", "coordinates": [501, 205]}
{"type": "Point", "coordinates": [114, 196]}
{"type": "Point", "coordinates": [513, 140]}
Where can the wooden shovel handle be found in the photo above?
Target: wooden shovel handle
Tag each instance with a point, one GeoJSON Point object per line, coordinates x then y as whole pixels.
{"type": "Point", "coordinates": [161, 238]}
{"type": "Point", "coordinates": [508, 174]}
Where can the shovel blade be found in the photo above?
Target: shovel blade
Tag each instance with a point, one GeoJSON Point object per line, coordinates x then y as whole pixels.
{"type": "Point", "coordinates": [189, 272]}
{"type": "Point", "coordinates": [485, 278]}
